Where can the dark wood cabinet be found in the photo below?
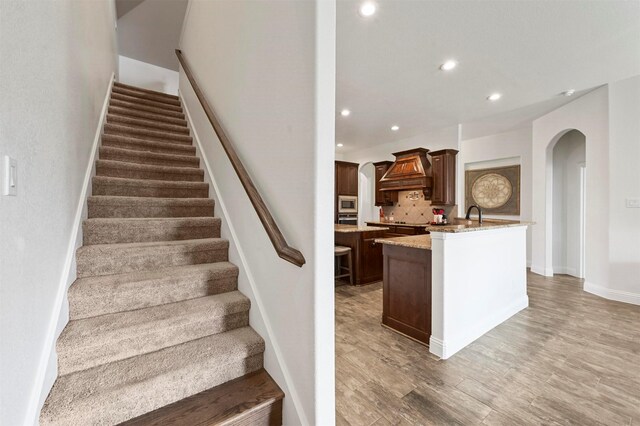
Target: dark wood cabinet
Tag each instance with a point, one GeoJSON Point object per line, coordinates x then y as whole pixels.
{"type": "Point", "coordinates": [443, 166]}
{"type": "Point", "coordinates": [383, 198]}
{"type": "Point", "coordinates": [367, 254]}
{"type": "Point", "coordinates": [346, 178]}
{"type": "Point", "coordinates": [346, 183]}
{"type": "Point", "coordinates": [406, 291]}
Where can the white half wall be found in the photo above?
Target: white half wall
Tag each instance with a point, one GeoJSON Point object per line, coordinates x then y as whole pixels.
{"type": "Point", "coordinates": [274, 95]}
{"type": "Point", "coordinates": [148, 76]}
{"type": "Point", "coordinates": [57, 62]}
{"type": "Point", "coordinates": [590, 115]}
{"type": "Point", "coordinates": [503, 149]}
{"type": "Point", "coordinates": [479, 280]}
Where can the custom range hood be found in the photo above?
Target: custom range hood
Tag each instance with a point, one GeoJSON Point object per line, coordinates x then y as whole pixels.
{"type": "Point", "coordinates": [411, 170]}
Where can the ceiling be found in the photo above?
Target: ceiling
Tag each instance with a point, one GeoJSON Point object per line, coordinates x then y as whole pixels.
{"type": "Point", "coordinates": [529, 51]}
{"type": "Point", "coordinates": [149, 30]}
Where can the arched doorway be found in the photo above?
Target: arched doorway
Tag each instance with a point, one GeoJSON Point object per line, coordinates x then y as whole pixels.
{"type": "Point", "coordinates": [367, 211]}
{"type": "Point", "coordinates": [566, 201]}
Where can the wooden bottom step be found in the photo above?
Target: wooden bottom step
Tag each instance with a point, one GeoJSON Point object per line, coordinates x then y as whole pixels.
{"type": "Point", "coordinates": [253, 399]}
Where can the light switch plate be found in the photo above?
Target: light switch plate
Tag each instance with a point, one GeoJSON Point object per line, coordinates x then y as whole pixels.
{"type": "Point", "coordinates": [633, 203]}
{"type": "Point", "coordinates": [10, 176]}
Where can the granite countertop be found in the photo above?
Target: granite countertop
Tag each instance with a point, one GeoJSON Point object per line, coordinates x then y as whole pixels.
{"type": "Point", "coordinates": [413, 241]}
{"type": "Point", "coordinates": [475, 226]}
{"type": "Point", "coordinates": [415, 225]}
{"type": "Point", "coordinates": [356, 228]}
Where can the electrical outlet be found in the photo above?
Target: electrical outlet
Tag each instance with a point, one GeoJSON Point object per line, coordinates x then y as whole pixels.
{"type": "Point", "coordinates": [633, 203]}
{"type": "Point", "coordinates": [10, 176]}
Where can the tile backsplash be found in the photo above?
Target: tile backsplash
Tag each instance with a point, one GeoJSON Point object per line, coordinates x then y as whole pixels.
{"type": "Point", "coordinates": [413, 208]}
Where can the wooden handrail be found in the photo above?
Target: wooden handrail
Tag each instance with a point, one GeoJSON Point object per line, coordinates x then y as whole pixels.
{"type": "Point", "coordinates": [283, 249]}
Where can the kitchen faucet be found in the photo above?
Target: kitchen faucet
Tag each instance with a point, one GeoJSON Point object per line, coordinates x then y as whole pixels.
{"type": "Point", "coordinates": [479, 213]}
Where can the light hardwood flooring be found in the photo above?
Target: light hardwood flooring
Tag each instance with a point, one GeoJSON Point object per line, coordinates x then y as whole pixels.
{"type": "Point", "coordinates": [570, 358]}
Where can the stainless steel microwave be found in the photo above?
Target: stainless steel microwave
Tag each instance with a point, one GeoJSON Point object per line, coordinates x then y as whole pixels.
{"type": "Point", "coordinates": [347, 204]}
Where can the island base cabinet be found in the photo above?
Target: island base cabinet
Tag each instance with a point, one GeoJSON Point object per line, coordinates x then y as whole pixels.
{"type": "Point", "coordinates": [407, 291]}
{"type": "Point", "coordinates": [367, 255]}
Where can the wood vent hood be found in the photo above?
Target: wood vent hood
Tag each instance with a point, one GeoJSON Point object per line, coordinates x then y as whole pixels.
{"type": "Point", "coordinates": [411, 170]}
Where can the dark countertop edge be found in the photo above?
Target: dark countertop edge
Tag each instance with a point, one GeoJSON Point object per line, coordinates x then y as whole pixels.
{"type": "Point", "coordinates": [412, 225]}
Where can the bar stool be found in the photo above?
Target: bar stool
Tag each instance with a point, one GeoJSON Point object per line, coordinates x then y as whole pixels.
{"type": "Point", "coordinates": [338, 252]}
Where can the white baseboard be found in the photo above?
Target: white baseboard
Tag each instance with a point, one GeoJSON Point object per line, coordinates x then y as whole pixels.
{"type": "Point", "coordinates": [269, 339]}
{"type": "Point", "coordinates": [611, 294]}
{"type": "Point", "coordinates": [436, 347]}
{"type": "Point", "coordinates": [566, 271]}
{"type": "Point", "coordinates": [545, 272]}
{"type": "Point", "coordinates": [48, 364]}
{"type": "Point", "coordinates": [446, 348]}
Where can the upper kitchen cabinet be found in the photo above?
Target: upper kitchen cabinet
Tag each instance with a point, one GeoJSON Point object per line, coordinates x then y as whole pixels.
{"type": "Point", "coordinates": [443, 164]}
{"type": "Point", "coordinates": [346, 178]}
{"type": "Point", "coordinates": [383, 198]}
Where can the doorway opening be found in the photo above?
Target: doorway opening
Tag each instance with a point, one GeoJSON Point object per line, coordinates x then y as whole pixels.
{"type": "Point", "coordinates": [367, 211]}
{"type": "Point", "coordinates": [569, 194]}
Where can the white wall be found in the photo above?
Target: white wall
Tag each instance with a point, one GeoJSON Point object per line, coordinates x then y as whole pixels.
{"type": "Point", "coordinates": [150, 32]}
{"type": "Point", "coordinates": [148, 76]}
{"type": "Point", "coordinates": [503, 149]}
{"type": "Point", "coordinates": [590, 115]}
{"type": "Point", "coordinates": [57, 61]}
{"type": "Point", "coordinates": [624, 177]}
{"type": "Point", "coordinates": [445, 138]}
{"type": "Point", "coordinates": [274, 94]}
{"type": "Point", "coordinates": [568, 158]}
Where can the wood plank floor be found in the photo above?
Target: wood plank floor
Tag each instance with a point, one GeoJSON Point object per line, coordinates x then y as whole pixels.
{"type": "Point", "coordinates": [571, 358]}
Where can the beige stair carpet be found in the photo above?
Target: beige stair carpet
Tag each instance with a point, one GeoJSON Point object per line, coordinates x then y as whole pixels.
{"type": "Point", "coordinates": [155, 314]}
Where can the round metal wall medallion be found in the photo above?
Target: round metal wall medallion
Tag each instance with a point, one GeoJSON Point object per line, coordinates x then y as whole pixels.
{"type": "Point", "coordinates": [491, 191]}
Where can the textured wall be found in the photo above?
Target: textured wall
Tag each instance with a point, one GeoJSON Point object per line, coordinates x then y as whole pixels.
{"type": "Point", "coordinates": [56, 60]}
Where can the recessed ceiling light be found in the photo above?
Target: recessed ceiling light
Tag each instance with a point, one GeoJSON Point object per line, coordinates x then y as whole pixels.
{"type": "Point", "coordinates": [368, 8]}
{"type": "Point", "coordinates": [339, 145]}
{"type": "Point", "coordinates": [494, 96]}
{"type": "Point", "coordinates": [449, 65]}
{"type": "Point", "coordinates": [569, 92]}
{"type": "Point", "coordinates": [345, 112]}
{"type": "Point", "coordinates": [395, 128]}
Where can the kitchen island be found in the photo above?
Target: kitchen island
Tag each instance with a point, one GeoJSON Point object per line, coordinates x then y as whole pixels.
{"type": "Point", "coordinates": [366, 254]}
{"type": "Point", "coordinates": [448, 288]}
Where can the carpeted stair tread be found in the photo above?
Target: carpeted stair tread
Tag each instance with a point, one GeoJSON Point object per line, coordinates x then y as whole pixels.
{"type": "Point", "coordinates": [90, 342]}
{"type": "Point", "coordinates": [147, 134]}
{"type": "Point", "coordinates": [104, 185]}
{"type": "Point", "coordinates": [116, 206]}
{"type": "Point", "coordinates": [146, 157]}
{"type": "Point", "coordinates": [115, 392]}
{"type": "Point", "coordinates": [107, 294]}
{"type": "Point", "coordinates": [253, 399]}
{"type": "Point", "coordinates": [155, 312]}
{"type": "Point", "coordinates": [170, 100]}
{"type": "Point", "coordinates": [128, 112]}
{"type": "Point", "coordinates": [121, 85]}
{"type": "Point", "coordinates": [145, 102]}
{"type": "Point", "coordinates": [137, 144]}
{"type": "Point", "coordinates": [123, 169]}
{"type": "Point", "coordinates": [146, 124]}
{"type": "Point", "coordinates": [107, 259]}
{"type": "Point", "coordinates": [145, 108]}
{"type": "Point", "coordinates": [138, 230]}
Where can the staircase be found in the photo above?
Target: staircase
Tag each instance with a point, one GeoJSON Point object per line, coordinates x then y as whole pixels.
{"type": "Point", "coordinates": [158, 331]}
